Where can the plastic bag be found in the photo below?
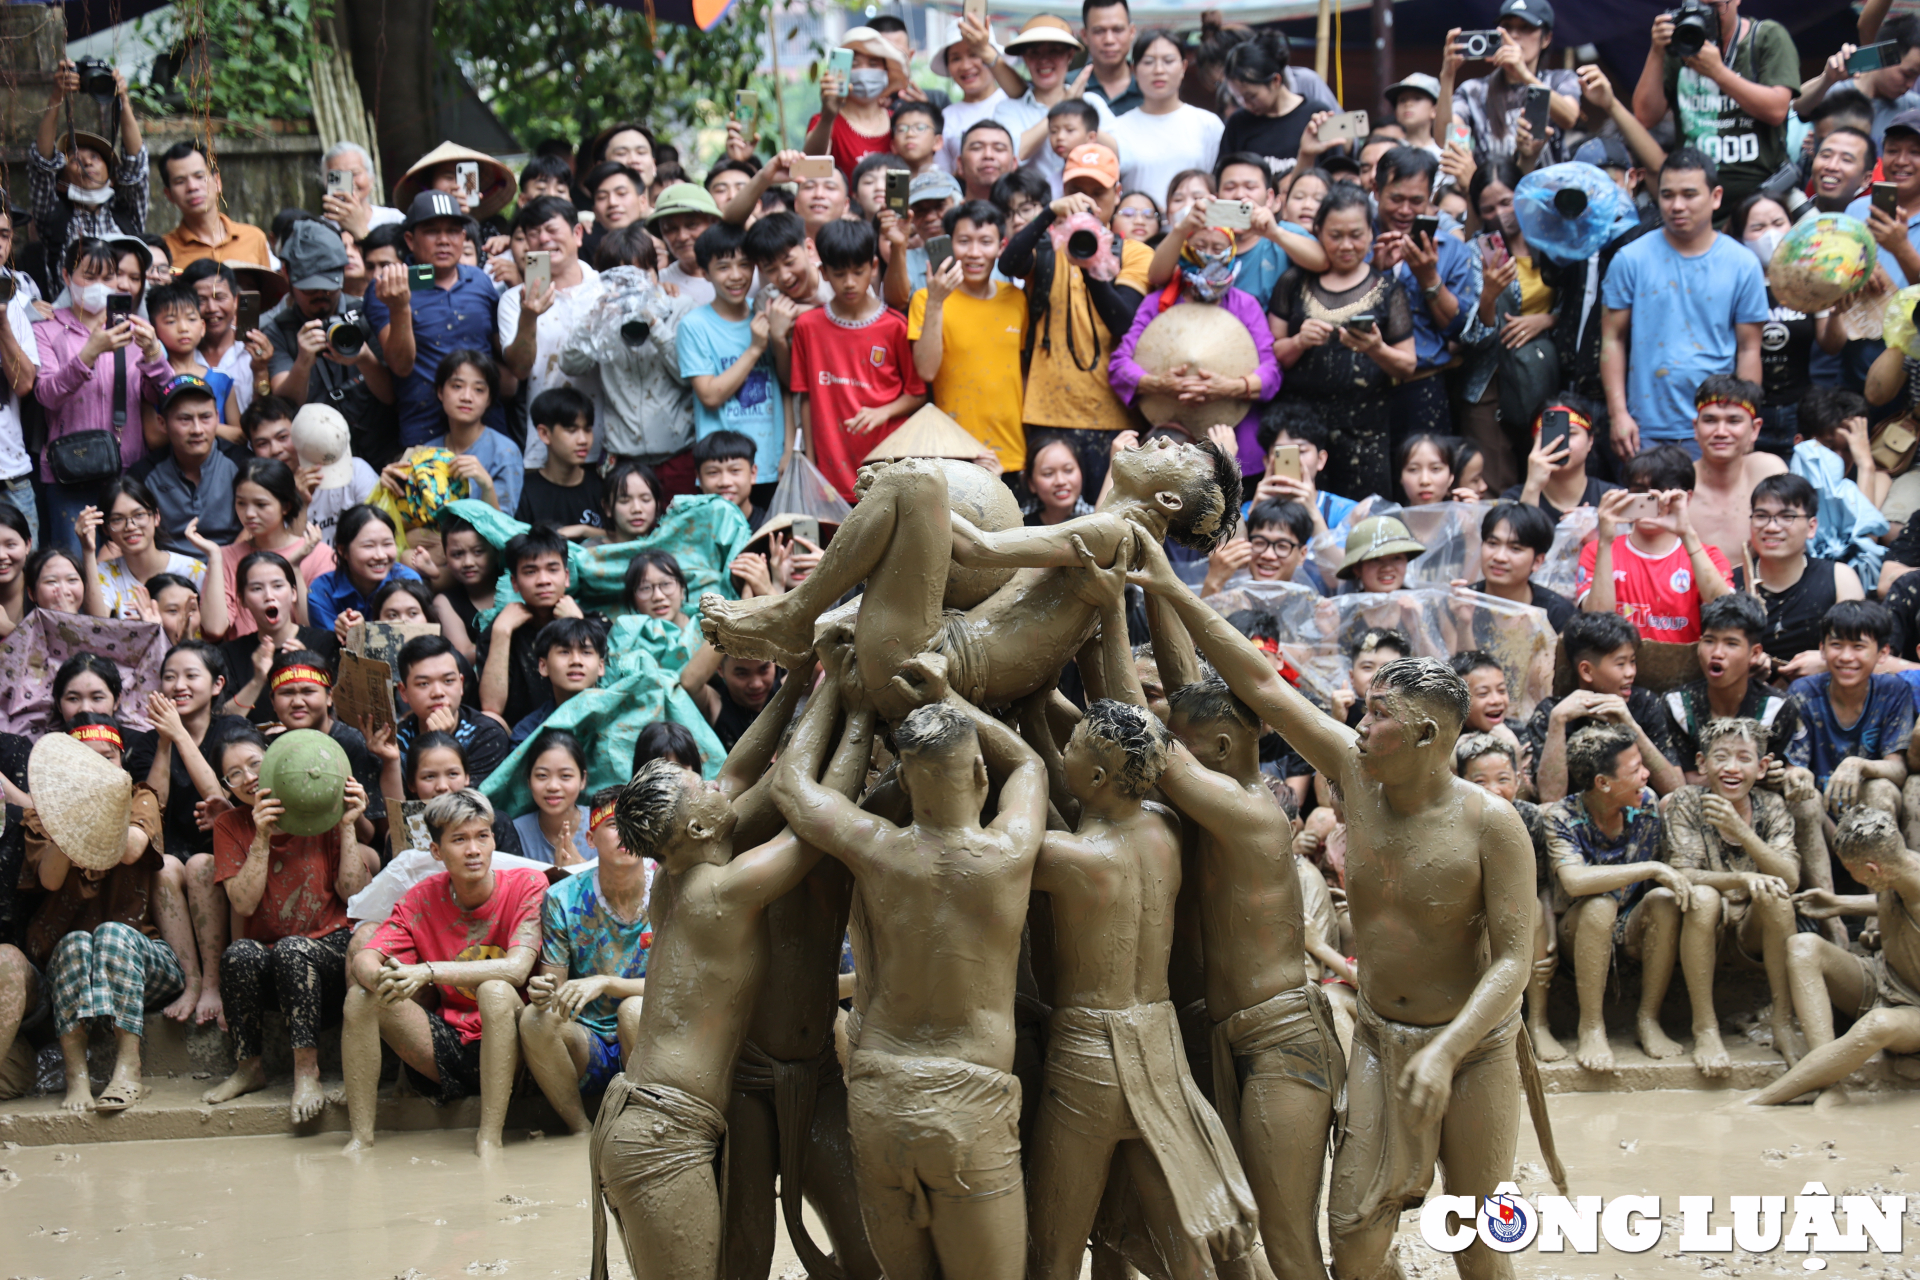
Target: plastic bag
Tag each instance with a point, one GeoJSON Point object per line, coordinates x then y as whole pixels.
{"type": "Point", "coordinates": [1568, 211]}
{"type": "Point", "coordinates": [803, 491]}
{"type": "Point", "coordinates": [1450, 532]}
{"type": "Point", "coordinates": [629, 309]}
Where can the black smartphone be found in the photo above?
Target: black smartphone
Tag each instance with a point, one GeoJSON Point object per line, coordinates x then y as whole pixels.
{"type": "Point", "coordinates": [246, 316]}
{"type": "Point", "coordinates": [1534, 110]}
{"type": "Point", "coordinates": [119, 307]}
{"type": "Point", "coordinates": [939, 249]}
{"type": "Point", "coordinates": [1554, 426]}
{"type": "Point", "coordinates": [899, 182]}
{"type": "Point", "coordinates": [1886, 198]}
{"type": "Point", "coordinates": [1872, 57]}
{"type": "Point", "coordinates": [1362, 323]}
{"type": "Point", "coordinates": [1428, 225]}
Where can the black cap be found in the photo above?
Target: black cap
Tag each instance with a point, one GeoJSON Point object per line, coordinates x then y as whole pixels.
{"type": "Point", "coordinates": [1537, 13]}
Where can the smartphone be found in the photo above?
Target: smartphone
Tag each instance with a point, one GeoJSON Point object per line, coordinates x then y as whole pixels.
{"type": "Point", "coordinates": [1234, 215]}
{"type": "Point", "coordinates": [1554, 426]}
{"type": "Point", "coordinates": [246, 317]}
{"type": "Point", "coordinates": [899, 181]}
{"type": "Point", "coordinates": [1886, 198]}
{"type": "Point", "coordinates": [1642, 506]}
{"type": "Point", "coordinates": [939, 249]}
{"type": "Point", "coordinates": [539, 267]}
{"type": "Point", "coordinates": [1493, 249]}
{"type": "Point", "coordinates": [1286, 461]}
{"type": "Point", "coordinates": [811, 167]}
{"type": "Point", "coordinates": [467, 173]}
{"type": "Point", "coordinates": [1362, 323]}
{"type": "Point", "coordinates": [340, 182]}
{"type": "Point", "coordinates": [419, 276]}
{"type": "Point", "coordinates": [1872, 57]}
{"type": "Point", "coordinates": [1534, 110]}
{"type": "Point", "coordinates": [745, 105]}
{"type": "Point", "coordinates": [1427, 225]}
{"type": "Point", "coordinates": [119, 307]}
{"type": "Point", "coordinates": [1459, 135]}
{"type": "Point", "coordinates": [1346, 126]}
{"type": "Point", "coordinates": [840, 63]}
{"type": "Point", "coordinates": [807, 527]}
{"type": "Point", "coordinates": [975, 9]}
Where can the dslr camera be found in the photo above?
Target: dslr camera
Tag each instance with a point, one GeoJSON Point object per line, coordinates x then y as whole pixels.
{"type": "Point", "coordinates": [96, 77]}
{"type": "Point", "coordinates": [348, 334]}
{"type": "Point", "coordinates": [1478, 45]}
{"type": "Point", "coordinates": [1693, 26]}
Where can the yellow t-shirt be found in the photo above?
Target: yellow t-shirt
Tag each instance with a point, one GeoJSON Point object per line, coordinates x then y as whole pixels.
{"type": "Point", "coordinates": [979, 378]}
{"type": "Point", "coordinates": [1536, 298]}
{"type": "Point", "coordinates": [1060, 393]}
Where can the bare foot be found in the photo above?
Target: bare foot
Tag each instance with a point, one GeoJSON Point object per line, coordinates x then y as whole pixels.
{"type": "Point", "coordinates": [488, 1147]}
{"type": "Point", "coordinates": [1709, 1054]}
{"type": "Point", "coordinates": [1831, 1097]}
{"type": "Point", "coordinates": [1656, 1042]}
{"type": "Point", "coordinates": [309, 1099]}
{"type": "Point", "coordinates": [1545, 1047]}
{"type": "Point", "coordinates": [1786, 1041]}
{"type": "Point", "coordinates": [246, 1078]}
{"type": "Point", "coordinates": [755, 630]}
{"type": "Point", "coordinates": [79, 1093]}
{"type": "Point", "coordinates": [357, 1146]}
{"type": "Point", "coordinates": [209, 1008]}
{"type": "Point", "coordinates": [182, 1007]}
{"type": "Point", "coordinates": [1594, 1053]}
{"type": "Point", "coordinates": [336, 1097]}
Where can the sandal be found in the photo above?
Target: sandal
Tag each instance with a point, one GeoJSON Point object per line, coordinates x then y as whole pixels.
{"type": "Point", "coordinates": [118, 1096]}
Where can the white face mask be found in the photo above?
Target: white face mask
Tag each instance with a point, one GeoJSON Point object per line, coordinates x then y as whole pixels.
{"type": "Point", "coordinates": [1765, 243]}
{"type": "Point", "coordinates": [867, 83]}
{"type": "Point", "coordinates": [89, 197]}
{"type": "Point", "coordinates": [91, 298]}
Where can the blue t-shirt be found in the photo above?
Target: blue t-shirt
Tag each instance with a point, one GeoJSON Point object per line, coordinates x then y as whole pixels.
{"type": "Point", "coordinates": [709, 344]}
{"type": "Point", "coordinates": [534, 844]}
{"type": "Point", "coordinates": [333, 593]}
{"type": "Point", "coordinates": [221, 384]}
{"type": "Point", "coordinates": [1262, 266]}
{"type": "Point", "coordinates": [444, 321]}
{"type": "Point", "coordinates": [1684, 310]}
{"type": "Point", "coordinates": [501, 457]}
{"type": "Point", "coordinates": [579, 930]}
{"type": "Point", "coordinates": [1822, 742]}
{"type": "Point", "coordinates": [1460, 272]}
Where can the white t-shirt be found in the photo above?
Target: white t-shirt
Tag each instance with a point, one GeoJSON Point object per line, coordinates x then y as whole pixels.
{"type": "Point", "coordinates": [1154, 148]}
{"type": "Point", "coordinates": [958, 117]}
{"type": "Point", "coordinates": [117, 582]}
{"type": "Point", "coordinates": [14, 461]}
{"type": "Point", "coordinates": [700, 290]}
{"type": "Point", "coordinates": [1021, 114]}
{"type": "Point", "coordinates": [570, 307]}
{"type": "Point", "coordinates": [324, 511]}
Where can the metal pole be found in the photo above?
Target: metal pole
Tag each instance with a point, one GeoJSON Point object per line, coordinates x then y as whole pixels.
{"type": "Point", "coordinates": [779, 86]}
{"type": "Point", "coordinates": [1382, 50]}
{"type": "Point", "coordinates": [1322, 33]}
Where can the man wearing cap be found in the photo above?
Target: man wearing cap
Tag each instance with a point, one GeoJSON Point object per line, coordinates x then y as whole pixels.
{"type": "Point", "coordinates": [1415, 102]}
{"type": "Point", "coordinates": [419, 327]}
{"type": "Point", "coordinates": [1900, 165]}
{"type": "Point", "coordinates": [536, 322]}
{"type": "Point", "coordinates": [92, 191]}
{"type": "Point", "coordinates": [1048, 46]}
{"type": "Point", "coordinates": [191, 186]}
{"type": "Point", "coordinates": [193, 480]}
{"type": "Point", "coordinates": [1730, 99]}
{"type": "Point", "coordinates": [682, 212]}
{"type": "Point", "coordinates": [970, 67]}
{"type": "Point", "coordinates": [1490, 105]}
{"type": "Point", "coordinates": [929, 196]}
{"type": "Point", "coordinates": [1889, 90]}
{"type": "Point", "coordinates": [308, 366]}
{"type": "Point", "coordinates": [315, 444]}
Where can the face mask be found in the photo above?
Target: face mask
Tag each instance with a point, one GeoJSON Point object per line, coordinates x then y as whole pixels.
{"type": "Point", "coordinates": [92, 298]}
{"type": "Point", "coordinates": [867, 83]}
{"type": "Point", "coordinates": [1209, 279]}
{"type": "Point", "coordinates": [89, 197]}
{"type": "Point", "coordinates": [1765, 244]}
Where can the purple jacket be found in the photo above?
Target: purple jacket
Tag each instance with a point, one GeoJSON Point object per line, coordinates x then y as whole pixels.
{"type": "Point", "coordinates": [79, 397]}
{"type": "Point", "coordinates": [1125, 373]}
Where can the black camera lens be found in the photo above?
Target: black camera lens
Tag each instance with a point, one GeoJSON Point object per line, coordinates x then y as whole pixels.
{"type": "Point", "coordinates": [634, 332]}
{"type": "Point", "coordinates": [1570, 201]}
{"type": "Point", "coordinates": [96, 77]}
{"type": "Point", "coordinates": [346, 337]}
{"type": "Point", "coordinates": [1691, 28]}
{"type": "Point", "coordinates": [1082, 244]}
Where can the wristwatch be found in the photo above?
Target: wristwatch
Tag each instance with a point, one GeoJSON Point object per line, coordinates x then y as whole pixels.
{"type": "Point", "coordinates": [1432, 291]}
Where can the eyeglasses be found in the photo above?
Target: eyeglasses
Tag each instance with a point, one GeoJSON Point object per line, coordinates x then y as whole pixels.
{"type": "Point", "coordinates": [131, 518]}
{"type": "Point", "coordinates": [241, 774]}
{"type": "Point", "coordinates": [913, 129]}
{"type": "Point", "coordinates": [1782, 519]}
{"type": "Point", "coordinates": [655, 590]}
{"type": "Point", "coordinates": [1279, 547]}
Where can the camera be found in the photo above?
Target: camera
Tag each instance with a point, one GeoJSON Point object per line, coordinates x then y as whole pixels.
{"type": "Point", "coordinates": [1693, 26]}
{"type": "Point", "coordinates": [96, 77]}
{"type": "Point", "coordinates": [1082, 244]}
{"type": "Point", "coordinates": [348, 335]}
{"type": "Point", "coordinates": [634, 332]}
{"type": "Point", "coordinates": [1478, 45]}
{"type": "Point", "coordinates": [1787, 188]}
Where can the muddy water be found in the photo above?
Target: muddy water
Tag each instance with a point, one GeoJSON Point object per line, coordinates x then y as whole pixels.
{"type": "Point", "coordinates": [420, 1207]}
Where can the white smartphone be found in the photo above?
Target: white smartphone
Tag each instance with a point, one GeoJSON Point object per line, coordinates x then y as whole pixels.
{"type": "Point", "coordinates": [340, 182]}
{"type": "Point", "coordinates": [467, 172]}
{"type": "Point", "coordinates": [1233, 215]}
{"type": "Point", "coordinates": [539, 267]}
{"type": "Point", "coordinates": [1347, 126]}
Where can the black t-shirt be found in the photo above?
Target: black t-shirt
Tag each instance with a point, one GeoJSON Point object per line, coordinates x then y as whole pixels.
{"type": "Point", "coordinates": [480, 736]}
{"type": "Point", "coordinates": [183, 836]}
{"type": "Point", "coordinates": [1786, 347]}
{"type": "Point", "coordinates": [735, 719]}
{"type": "Point", "coordinates": [1559, 609]}
{"type": "Point", "coordinates": [1276, 136]}
{"type": "Point", "coordinates": [238, 654]}
{"type": "Point", "coordinates": [525, 688]}
{"type": "Point", "coordinates": [544, 502]}
{"type": "Point", "coordinates": [1596, 490]}
{"type": "Point", "coordinates": [1793, 615]}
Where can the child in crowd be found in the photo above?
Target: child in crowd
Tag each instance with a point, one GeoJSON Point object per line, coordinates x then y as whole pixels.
{"type": "Point", "coordinates": [1659, 573]}
{"type": "Point", "coordinates": [779, 248]}
{"type": "Point", "coordinates": [724, 350]}
{"type": "Point", "coordinates": [467, 383]}
{"type": "Point", "coordinates": [1295, 440]}
{"type": "Point", "coordinates": [724, 465]}
{"type": "Point", "coordinates": [555, 830]}
{"type": "Point", "coordinates": [1603, 651]}
{"type": "Point", "coordinates": [510, 680]}
{"type": "Point", "coordinates": [174, 310]}
{"type": "Point", "coordinates": [1855, 723]}
{"type": "Point", "coordinates": [565, 492]}
{"type": "Point", "coordinates": [968, 331]}
{"type": "Point", "coordinates": [1071, 122]}
{"type": "Point", "coordinates": [918, 134]}
{"type": "Point", "coordinates": [573, 657]}
{"type": "Point", "coordinates": [1370, 650]}
{"type": "Point", "coordinates": [1731, 684]}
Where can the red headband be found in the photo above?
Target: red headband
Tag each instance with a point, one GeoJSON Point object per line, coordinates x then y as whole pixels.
{"type": "Point", "coordinates": [598, 818]}
{"type": "Point", "coordinates": [1574, 416]}
{"type": "Point", "coordinates": [1731, 403]}
{"type": "Point", "coordinates": [302, 674]}
{"type": "Point", "coordinates": [99, 733]}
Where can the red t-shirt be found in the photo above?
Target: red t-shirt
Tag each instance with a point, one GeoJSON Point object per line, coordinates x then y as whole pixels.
{"type": "Point", "coordinates": [843, 369]}
{"type": "Point", "coordinates": [430, 925]}
{"type": "Point", "coordinates": [299, 900]}
{"type": "Point", "coordinates": [1658, 596]}
{"type": "Point", "coordinates": [849, 147]}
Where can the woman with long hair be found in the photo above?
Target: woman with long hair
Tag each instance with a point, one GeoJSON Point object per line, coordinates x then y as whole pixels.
{"type": "Point", "coordinates": [268, 505]}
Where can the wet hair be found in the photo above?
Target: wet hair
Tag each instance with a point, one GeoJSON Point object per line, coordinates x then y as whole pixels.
{"type": "Point", "coordinates": [844, 245]}
{"type": "Point", "coordinates": [1468, 661]}
{"type": "Point", "coordinates": [771, 239]}
{"type": "Point", "coordinates": [1291, 516]}
{"type": "Point", "coordinates": [482, 364]}
{"type": "Point", "coordinates": [666, 739]}
{"type": "Point", "coordinates": [1078, 109]}
{"type": "Point", "coordinates": [1202, 523]}
{"type": "Point", "coordinates": [1428, 681]}
{"type": "Point", "coordinates": [1691, 160]}
{"type": "Point", "coordinates": [1527, 524]}
{"type": "Point", "coordinates": [1297, 419]}
{"type": "Point", "coordinates": [418, 650]}
{"type": "Point", "coordinates": [1474, 746]}
{"type": "Point", "coordinates": [1866, 835]}
{"type": "Point", "coordinates": [1247, 159]}
{"type": "Point", "coordinates": [1735, 611]}
{"type": "Point", "coordinates": [455, 808]}
{"type": "Point", "coordinates": [1744, 727]}
{"type": "Point", "coordinates": [83, 664]}
{"type": "Point", "coordinates": [1790, 491]}
{"type": "Point", "coordinates": [1342, 195]}
{"type": "Point", "coordinates": [538, 213]}
{"type": "Point", "coordinates": [937, 727]}
{"type": "Point", "coordinates": [570, 633]}
{"type": "Point", "coordinates": [616, 484]}
{"type": "Point", "coordinates": [1727, 386]}
{"type": "Point", "coordinates": [1595, 635]}
{"type": "Point", "coordinates": [538, 540]}
{"type": "Point", "coordinates": [560, 407]}
{"type": "Point", "coordinates": [1208, 700]}
{"type": "Point", "coordinates": [724, 446]}
{"type": "Point", "coordinates": [555, 740]}
{"type": "Point", "coordinates": [352, 521]}
{"type": "Point", "coordinates": [433, 740]}
{"type": "Point", "coordinates": [276, 477]}
{"type": "Point", "coordinates": [1593, 753]}
{"type": "Point", "coordinates": [981, 213]}
{"type": "Point", "coordinates": [421, 593]}
{"type": "Point", "coordinates": [252, 560]}
{"type": "Point", "coordinates": [1021, 182]}
{"type": "Point", "coordinates": [1381, 638]}
{"type": "Point", "coordinates": [645, 810]}
{"type": "Point", "coordinates": [637, 568]}
{"type": "Point", "coordinates": [1858, 620]}
{"type": "Point", "coordinates": [1136, 736]}
{"type": "Point", "coordinates": [1823, 409]}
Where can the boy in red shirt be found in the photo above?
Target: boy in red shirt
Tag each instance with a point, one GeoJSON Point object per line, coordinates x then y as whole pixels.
{"type": "Point", "coordinates": [471, 932]}
{"type": "Point", "coordinates": [852, 366]}
{"type": "Point", "coordinates": [1660, 572]}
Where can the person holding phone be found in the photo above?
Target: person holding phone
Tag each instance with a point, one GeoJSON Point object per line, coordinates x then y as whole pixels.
{"type": "Point", "coordinates": [852, 122]}
{"type": "Point", "coordinates": [1888, 89]}
{"type": "Point", "coordinates": [1658, 573]}
{"type": "Point", "coordinates": [1557, 479]}
{"type": "Point", "coordinates": [1442, 280]}
{"type": "Point", "coordinates": [90, 189]}
{"type": "Point", "coordinates": [1490, 105]}
{"type": "Point", "coordinates": [537, 319]}
{"type": "Point", "coordinates": [967, 331]}
{"type": "Point", "coordinates": [1273, 116]}
{"type": "Point", "coordinates": [1512, 368]}
{"type": "Point", "coordinates": [242, 354]}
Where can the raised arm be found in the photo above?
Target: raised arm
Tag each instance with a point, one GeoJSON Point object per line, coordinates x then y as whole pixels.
{"type": "Point", "coordinates": [1023, 794]}
{"type": "Point", "coordinates": [821, 812]}
{"type": "Point", "coordinates": [747, 762]}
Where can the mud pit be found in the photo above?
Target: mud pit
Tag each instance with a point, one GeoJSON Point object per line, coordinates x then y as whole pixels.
{"type": "Point", "coordinates": [420, 1207]}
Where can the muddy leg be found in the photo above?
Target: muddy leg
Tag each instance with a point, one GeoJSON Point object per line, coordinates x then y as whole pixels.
{"type": "Point", "coordinates": [1699, 944]}
{"type": "Point", "coordinates": [1546, 961]}
{"type": "Point", "coordinates": [207, 904]}
{"type": "Point", "coordinates": [1477, 1140]}
{"type": "Point", "coordinates": [671, 1224]}
{"type": "Point", "coordinates": [753, 1164]}
{"type": "Point", "coordinates": [1653, 932]}
{"type": "Point", "coordinates": [557, 1054]}
{"type": "Point", "coordinates": [1894, 1029]}
{"type": "Point", "coordinates": [981, 1239]}
{"type": "Point", "coordinates": [176, 928]}
{"type": "Point", "coordinates": [1362, 1247]}
{"type": "Point", "coordinates": [19, 991]}
{"type": "Point", "coordinates": [1283, 1143]}
{"type": "Point", "coordinates": [1823, 976]}
{"type": "Point", "coordinates": [1768, 927]}
{"type": "Point", "coordinates": [1590, 922]}
{"type": "Point", "coordinates": [830, 1186]}
{"type": "Point", "coordinates": [1066, 1173]}
{"type": "Point", "coordinates": [500, 1007]}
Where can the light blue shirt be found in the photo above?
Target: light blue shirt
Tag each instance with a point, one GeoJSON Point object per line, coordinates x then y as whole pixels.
{"type": "Point", "coordinates": [1884, 109]}
{"type": "Point", "coordinates": [708, 344]}
{"type": "Point", "coordinates": [1863, 210]}
{"type": "Point", "coordinates": [1460, 272]}
{"type": "Point", "coordinates": [501, 457]}
{"type": "Point", "coordinates": [1682, 330]}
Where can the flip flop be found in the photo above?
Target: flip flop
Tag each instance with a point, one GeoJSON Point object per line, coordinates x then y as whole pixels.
{"type": "Point", "coordinates": [118, 1097]}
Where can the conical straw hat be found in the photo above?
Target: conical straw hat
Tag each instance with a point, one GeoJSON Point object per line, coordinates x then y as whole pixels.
{"type": "Point", "coordinates": [497, 183]}
{"type": "Point", "coordinates": [84, 801]}
{"type": "Point", "coordinates": [307, 771]}
{"type": "Point", "coordinates": [928, 434]}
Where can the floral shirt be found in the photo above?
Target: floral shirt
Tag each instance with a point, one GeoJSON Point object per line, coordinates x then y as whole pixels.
{"type": "Point", "coordinates": [581, 931]}
{"type": "Point", "coordinates": [1574, 840]}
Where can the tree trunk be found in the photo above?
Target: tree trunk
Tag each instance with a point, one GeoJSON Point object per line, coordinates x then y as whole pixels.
{"type": "Point", "coordinates": [391, 43]}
